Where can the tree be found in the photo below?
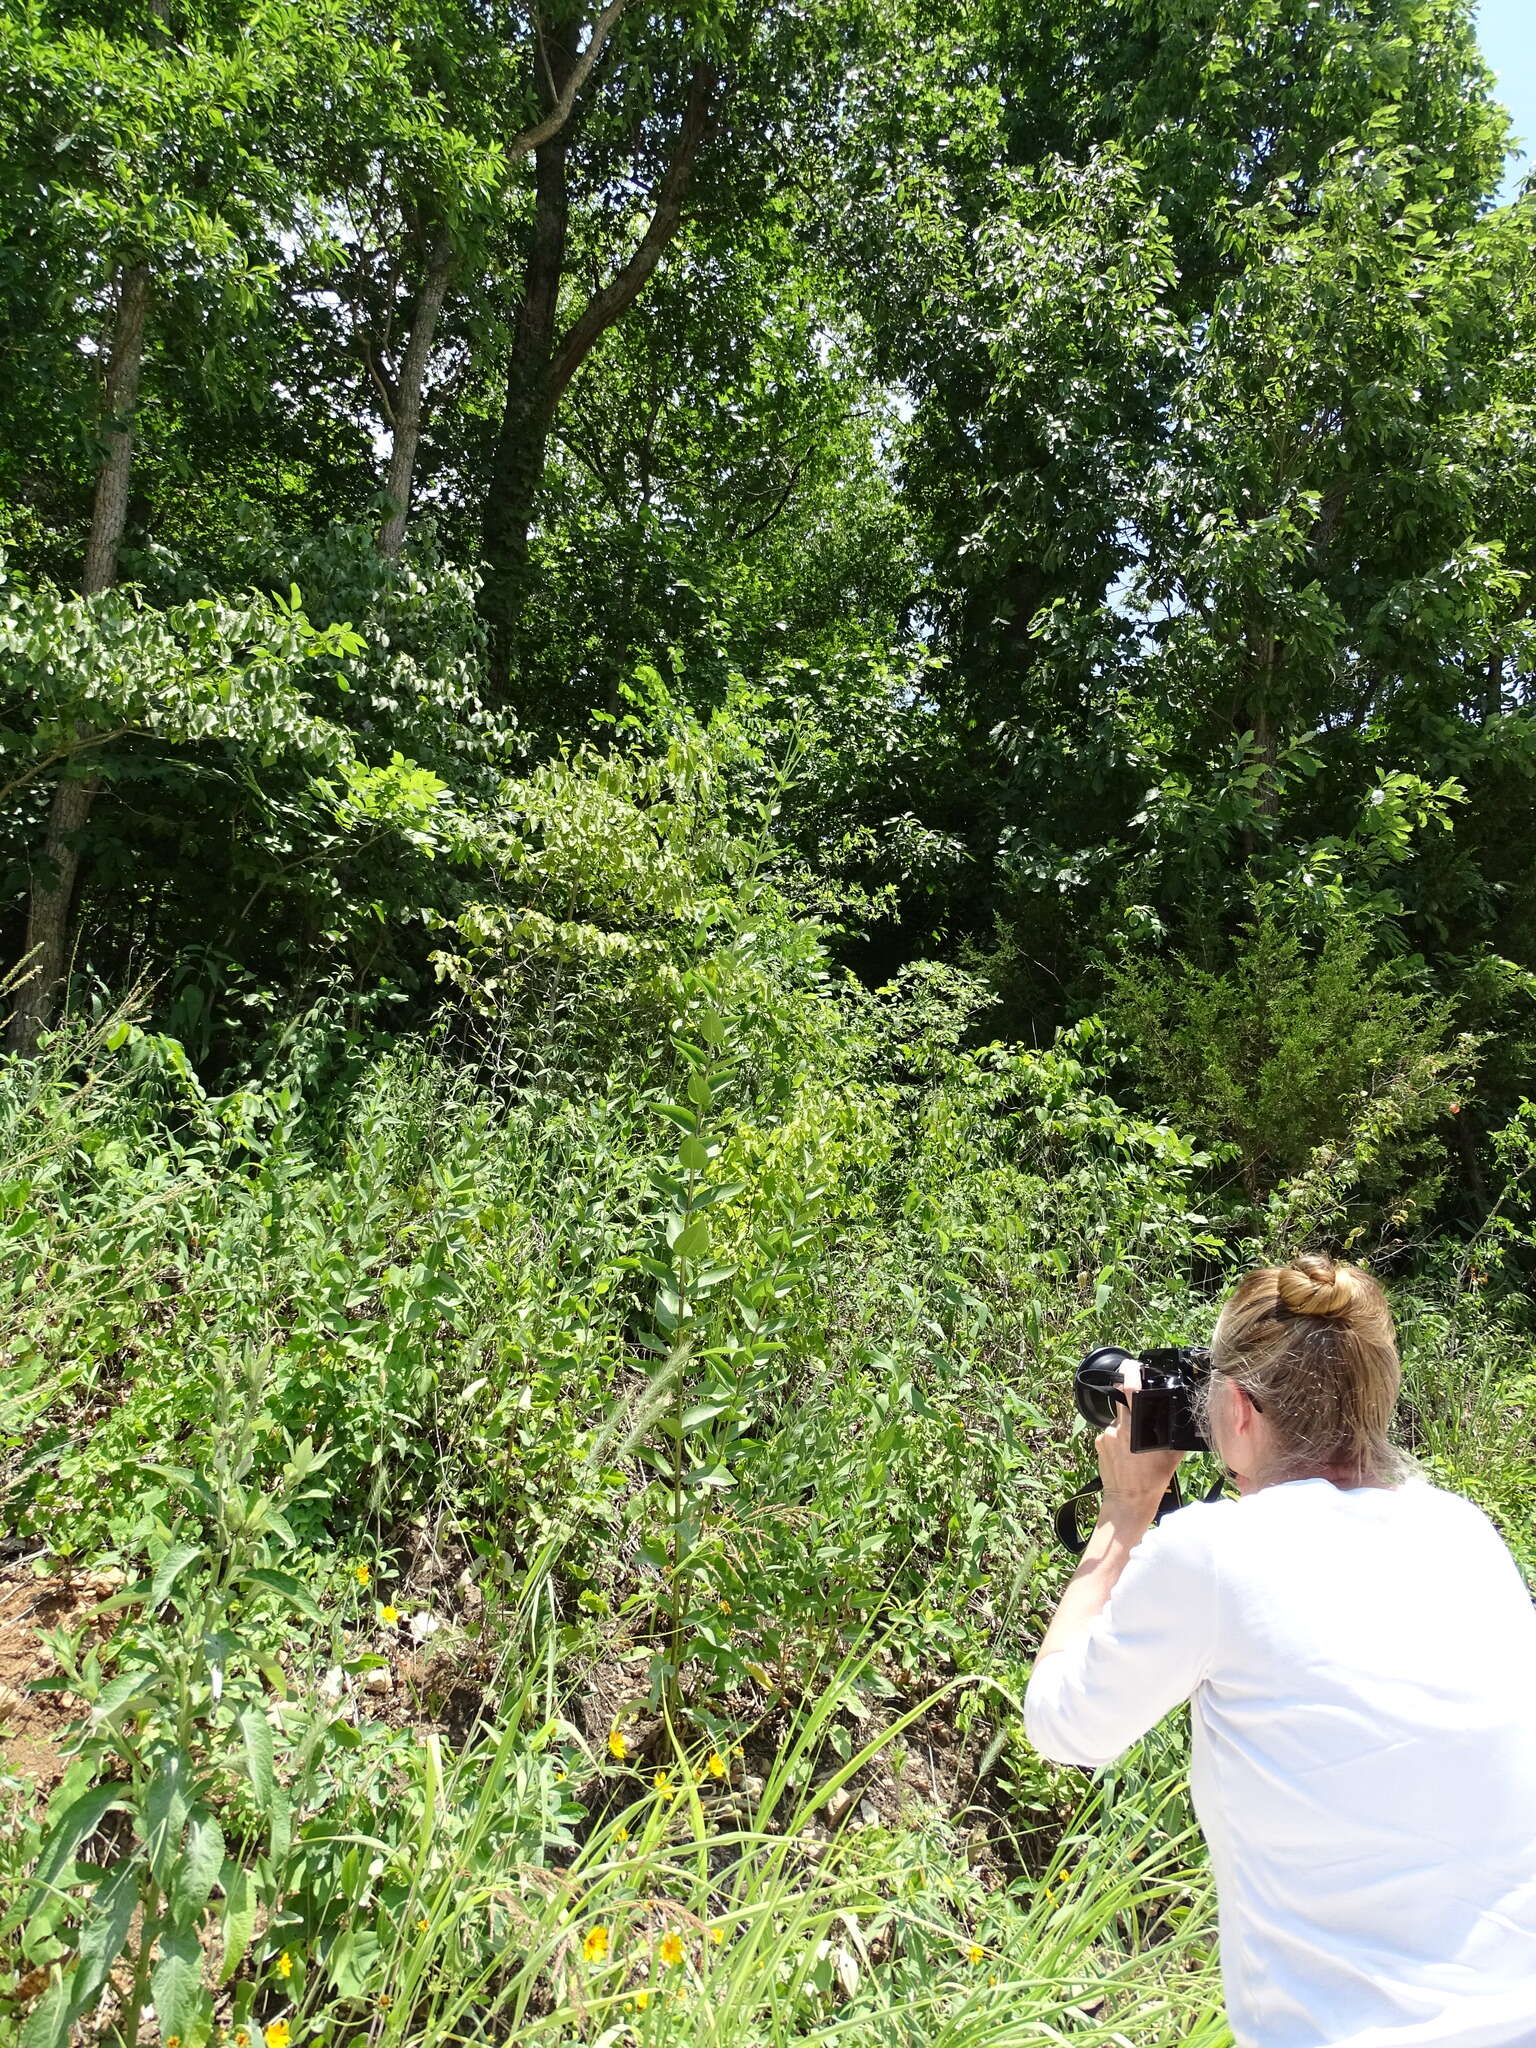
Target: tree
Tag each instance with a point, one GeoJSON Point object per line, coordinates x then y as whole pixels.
{"type": "Point", "coordinates": [1294, 239]}
{"type": "Point", "coordinates": [157, 172]}
{"type": "Point", "coordinates": [440, 171]}
{"type": "Point", "coordinates": [542, 359]}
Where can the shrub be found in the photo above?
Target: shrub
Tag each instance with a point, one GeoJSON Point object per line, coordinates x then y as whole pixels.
{"type": "Point", "coordinates": [1282, 1058]}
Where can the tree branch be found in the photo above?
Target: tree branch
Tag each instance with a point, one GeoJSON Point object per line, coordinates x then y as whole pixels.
{"type": "Point", "coordinates": [565, 99]}
{"type": "Point", "coordinates": [740, 533]}
{"type": "Point", "coordinates": [625, 286]}
{"type": "Point", "coordinates": [405, 419]}
{"type": "Point", "coordinates": [381, 383]}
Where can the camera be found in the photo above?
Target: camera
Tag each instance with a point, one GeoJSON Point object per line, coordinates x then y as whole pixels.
{"type": "Point", "coordinates": [1162, 1394]}
{"type": "Point", "coordinates": [1161, 1387]}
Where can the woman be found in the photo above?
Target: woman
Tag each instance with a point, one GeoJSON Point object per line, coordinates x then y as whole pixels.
{"type": "Point", "coordinates": [1360, 1654]}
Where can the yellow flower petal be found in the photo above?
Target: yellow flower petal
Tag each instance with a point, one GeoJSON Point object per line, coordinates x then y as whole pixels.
{"type": "Point", "coordinates": [595, 1947]}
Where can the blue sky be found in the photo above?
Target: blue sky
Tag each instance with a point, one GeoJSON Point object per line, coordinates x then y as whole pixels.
{"type": "Point", "coordinates": [1507, 31]}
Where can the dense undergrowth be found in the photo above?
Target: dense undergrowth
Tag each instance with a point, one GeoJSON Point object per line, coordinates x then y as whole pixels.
{"type": "Point", "coordinates": [569, 1497]}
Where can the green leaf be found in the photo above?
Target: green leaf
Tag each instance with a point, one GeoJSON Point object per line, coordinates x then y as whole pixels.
{"type": "Point", "coordinates": [124, 1688]}
{"type": "Point", "coordinates": [48, 2024]}
{"type": "Point", "coordinates": [200, 1862]}
{"type": "Point", "coordinates": [176, 1985]}
{"type": "Point", "coordinates": [702, 1412]}
{"type": "Point", "coordinates": [108, 1919]}
{"type": "Point", "coordinates": [75, 1825]}
{"type": "Point", "coordinates": [712, 1276]}
{"type": "Point", "coordinates": [256, 1740]}
{"type": "Point", "coordinates": [693, 1241]}
{"type": "Point", "coordinates": [715, 1480]}
{"type": "Point", "coordinates": [239, 1918]}
{"type": "Point", "coordinates": [693, 1155]}
{"type": "Point", "coordinates": [170, 1569]}
{"type": "Point", "coordinates": [166, 1807]}
{"type": "Point", "coordinates": [352, 1961]}
{"type": "Point", "coordinates": [289, 1588]}
{"type": "Point", "coordinates": [281, 1836]}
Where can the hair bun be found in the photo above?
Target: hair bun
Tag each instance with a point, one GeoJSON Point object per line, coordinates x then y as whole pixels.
{"type": "Point", "coordinates": [1314, 1286]}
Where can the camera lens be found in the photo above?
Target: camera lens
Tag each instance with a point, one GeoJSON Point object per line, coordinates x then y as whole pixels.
{"type": "Point", "coordinates": [1096, 1386]}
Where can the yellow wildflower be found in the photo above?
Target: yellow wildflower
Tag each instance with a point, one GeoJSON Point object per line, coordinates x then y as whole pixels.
{"type": "Point", "coordinates": [618, 1748]}
{"type": "Point", "coordinates": [975, 1953]}
{"type": "Point", "coordinates": [725, 1606]}
{"type": "Point", "coordinates": [671, 1950]}
{"type": "Point", "coordinates": [664, 1785]}
{"type": "Point", "coordinates": [422, 1923]}
{"type": "Point", "coordinates": [716, 1765]}
{"type": "Point", "coordinates": [284, 1964]}
{"type": "Point", "coordinates": [716, 1935]}
{"type": "Point", "coordinates": [276, 2035]}
{"type": "Point", "coordinates": [361, 1573]}
{"type": "Point", "coordinates": [242, 2037]}
{"type": "Point", "coordinates": [389, 1615]}
{"type": "Point", "coordinates": [641, 2000]}
{"type": "Point", "coordinates": [621, 1835]}
{"type": "Point", "coordinates": [595, 1947]}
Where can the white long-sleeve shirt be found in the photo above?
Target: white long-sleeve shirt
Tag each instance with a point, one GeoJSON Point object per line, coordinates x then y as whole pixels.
{"type": "Point", "coordinates": [1362, 1671]}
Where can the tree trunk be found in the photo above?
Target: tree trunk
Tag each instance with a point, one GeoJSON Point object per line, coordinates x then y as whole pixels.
{"type": "Point", "coordinates": [560, 78]}
{"type": "Point", "coordinates": [406, 424]}
{"type": "Point", "coordinates": [110, 512]}
{"type": "Point", "coordinates": [517, 462]}
{"type": "Point", "coordinates": [539, 370]}
{"type": "Point", "coordinates": [53, 880]}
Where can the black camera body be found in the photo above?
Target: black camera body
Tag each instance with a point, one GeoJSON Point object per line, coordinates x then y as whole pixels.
{"type": "Point", "coordinates": [1162, 1407]}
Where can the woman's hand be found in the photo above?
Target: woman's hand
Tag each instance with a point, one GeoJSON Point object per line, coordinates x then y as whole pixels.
{"type": "Point", "coordinates": [1134, 1485]}
{"type": "Point", "coordinates": [1134, 1481]}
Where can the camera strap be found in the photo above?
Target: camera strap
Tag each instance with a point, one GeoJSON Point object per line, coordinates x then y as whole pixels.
{"type": "Point", "coordinates": [1069, 1532]}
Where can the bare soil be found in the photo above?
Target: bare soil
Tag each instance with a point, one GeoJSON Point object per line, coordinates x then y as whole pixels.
{"type": "Point", "coordinates": [33, 1724]}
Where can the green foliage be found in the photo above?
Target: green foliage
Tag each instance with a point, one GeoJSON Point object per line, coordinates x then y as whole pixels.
{"type": "Point", "coordinates": [706, 1411]}
{"type": "Point", "coordinates": [1306, 1051]}
{"type": "Point", "coordinates": [946, 758]}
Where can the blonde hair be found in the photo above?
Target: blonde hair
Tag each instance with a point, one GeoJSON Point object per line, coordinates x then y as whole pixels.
{"type": "Point", "coordinates": [1313, 1345]}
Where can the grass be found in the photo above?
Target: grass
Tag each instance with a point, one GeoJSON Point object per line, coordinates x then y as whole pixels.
{"type": "Point", "coordinates": [715, 1419]}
